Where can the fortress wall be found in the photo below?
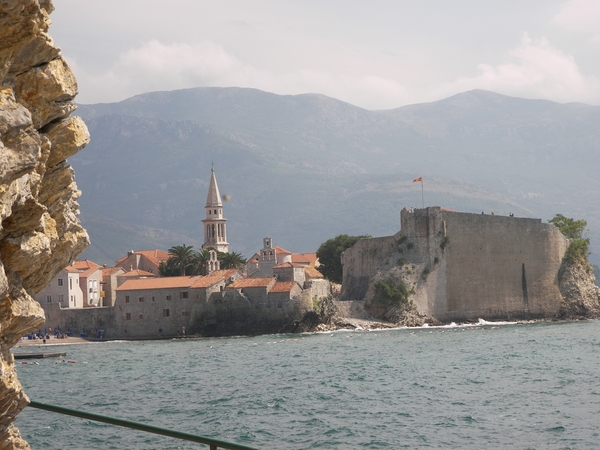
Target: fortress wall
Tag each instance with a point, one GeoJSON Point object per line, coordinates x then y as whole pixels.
{"type": "Point", "coordinates": [360, 262]}
{"type": "Point", "coordinates": [500, 267]}
{"type": "Point", "coordinates": [81, 320]}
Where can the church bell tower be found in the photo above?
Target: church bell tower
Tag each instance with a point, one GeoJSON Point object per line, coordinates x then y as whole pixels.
{"type": "Point", "coordinates": [215, 230]}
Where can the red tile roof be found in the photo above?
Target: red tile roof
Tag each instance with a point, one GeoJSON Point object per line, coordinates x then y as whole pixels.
{"type": "Point", "coordinates": [156, 256]}
{"type": "Point", "coordinates": [283, 286]}
{"type": "Point", "coordinates": [288, 265]}
{"type": "Point", "coordinates": [86, 267]}
{"type": "Point", "coordinates": [282, 251]}
{"type": "Point", "coordinates": [250, 283]}
{"type": "Point", "coordinates": [311, 258]}
{"type": "Point", "coordinates": [158, 283]}
{"type": "Point", "coordinates": [205, 282]}
{"type": "Point", "coordinates": [106, 271]}
{"type": "Point", "coordinates": [311, 272]}
{"type": "Point", "coordinates": [137, 273]}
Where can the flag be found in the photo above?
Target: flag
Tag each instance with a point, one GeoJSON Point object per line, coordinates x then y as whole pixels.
{"type": "Point", "coordinates": [418, 179]}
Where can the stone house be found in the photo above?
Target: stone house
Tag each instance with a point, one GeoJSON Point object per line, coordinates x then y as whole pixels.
{"type": "Point", "coordinates": [90, 282]}
{"type": "Point", "coordinates": [109, 284]}
{"type": "Point", "coordinates": [168, 303]}
{"type": "Point", "coordinates": [146, 260]}
{"type": "Point", "coordinates": [261, 264]}
{"type": "Point", "coordinates": [63, 290]}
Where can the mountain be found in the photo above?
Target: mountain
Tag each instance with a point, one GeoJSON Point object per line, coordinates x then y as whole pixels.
{"type": "Point", "coordinates": [304, 168]}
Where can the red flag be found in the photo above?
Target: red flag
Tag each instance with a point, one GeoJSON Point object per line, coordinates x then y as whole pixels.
{"type": "Point", "coordinates": [418, 179]}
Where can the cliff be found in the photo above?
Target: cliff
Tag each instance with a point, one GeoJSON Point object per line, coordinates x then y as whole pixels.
{"type": "Point", "coordinates": [39, 232]}
{"type": "Point", "coordinates": [446, 266]}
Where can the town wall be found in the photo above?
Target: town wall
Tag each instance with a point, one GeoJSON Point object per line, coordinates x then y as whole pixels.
{"type": "Point", "coordinates": [360, 262]}
{"type": "Point", "coordinates": [463, 266]}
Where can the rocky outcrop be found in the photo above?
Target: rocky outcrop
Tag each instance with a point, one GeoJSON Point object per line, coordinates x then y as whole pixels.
{"type": "Point", "coordinates": [581, 297]}
{"type": "Point", "coordinates": [39, 232]}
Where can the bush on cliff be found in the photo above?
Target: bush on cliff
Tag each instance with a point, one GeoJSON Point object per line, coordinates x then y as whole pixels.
{"type": "Point", "coordinates": [578, 250]}
{"type": "Point", "coordinates": [330, 255]}
{"type": "Point", "coordinates": [390, 293]}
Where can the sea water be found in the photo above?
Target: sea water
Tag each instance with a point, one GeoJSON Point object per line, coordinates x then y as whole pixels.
{"type": "Point", "coordinates": [489, 386]}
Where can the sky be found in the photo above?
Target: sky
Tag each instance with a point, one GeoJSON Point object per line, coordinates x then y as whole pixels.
{"type": "Point", "coordinates": [377, 54]}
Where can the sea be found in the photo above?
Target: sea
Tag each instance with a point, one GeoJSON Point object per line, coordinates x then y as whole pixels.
{"type": "Point", "coordinates": [487, 385]}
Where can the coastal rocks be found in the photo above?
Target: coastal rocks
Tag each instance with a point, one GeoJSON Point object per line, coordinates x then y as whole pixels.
{"type": "Point", "coordinates": [39, 232]}
{"type": "Point", "coordinates": [581, 297]}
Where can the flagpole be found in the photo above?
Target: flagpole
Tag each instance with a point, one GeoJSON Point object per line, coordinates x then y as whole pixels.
{"type": "Point", "coordinates": [422, 195]}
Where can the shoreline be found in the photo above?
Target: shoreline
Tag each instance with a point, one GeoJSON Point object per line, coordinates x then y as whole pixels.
{"type": "Point", "coordinates": [342, 324]}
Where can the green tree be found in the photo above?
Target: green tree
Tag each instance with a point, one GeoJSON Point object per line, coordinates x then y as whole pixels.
{"type": "Point", "coordinates": [231, 260]}
{"type": "Point", "coordinates": [578, 250]}
{"type": "Point", "coordinates": [183, 255]}
{"type": "Point", "coordinates": [330, 255]}
{"type": "Point", "coordinates": [170, 268]}
{"type": "Point", "coordinates": [199, 263]}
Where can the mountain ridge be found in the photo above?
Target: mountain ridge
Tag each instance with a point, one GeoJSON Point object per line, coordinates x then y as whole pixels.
{"type": "Point", "coordinates": [289, 162]}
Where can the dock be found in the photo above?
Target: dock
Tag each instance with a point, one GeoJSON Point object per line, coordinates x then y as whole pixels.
{"type": "Point", "coordinates": [39, 355]}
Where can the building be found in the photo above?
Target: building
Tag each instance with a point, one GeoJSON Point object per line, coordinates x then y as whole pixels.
{"type": "Point", "coordinates": [146, 260]}
{"type": "Point", "coordinates": [90, 282]}
{"type": "Point", "coordinates": [63, 290]}
{"type": "Point", "coordinates": [215, 226]}
{"type": "Point", "coordinates": [145, 305]}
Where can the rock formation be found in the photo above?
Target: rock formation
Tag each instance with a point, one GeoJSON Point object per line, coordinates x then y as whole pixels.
{"type": "Point", "coordinates": [581, 296]}
{"type": "Point", "coordinates": [39, 232]}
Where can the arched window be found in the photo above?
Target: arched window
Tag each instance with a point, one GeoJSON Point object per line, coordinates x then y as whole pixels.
{"type": "Point", "coordinates": [213, 230]}
{"type": "Point", "coordinates": [208, 231]}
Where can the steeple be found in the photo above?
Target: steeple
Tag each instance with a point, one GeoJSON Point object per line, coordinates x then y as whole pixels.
{"type": "Point", "coordinates": [215, 231]}
{"type": "Point", "coordinates": [213, 198]}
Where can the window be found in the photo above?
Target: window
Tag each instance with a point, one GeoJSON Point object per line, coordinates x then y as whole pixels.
{"type": "Point", "coordinates": [141, 316]}
{"type": "Point", "coordinates": [166, 312]}
{"type": "Point", "coordinates": [127, 299]}
{"type": "Point", "coordinates": [183, 294]}
{"type": "Point", "coordinates": [127, 316]}
{"type": "Point", "coordinates": [48, 299]}
{"type": "Point", "coordinates": [72, 299]}
{"type": "Point", "coordinates": [184, 313]}
{"type": "Point", "coordinates": [153, 299]}
{"type": "Point", "coordinates": [169, 297]}
{"type": "Point", "coordinates": [215, 211]}
{"type": "Point", "coordinates": [61, 298]}
{"type": "Point", "coordinates": [141, 299]}
{"type": "Point", "coordinates": [70, 283]}
{"type": "Point", "coordinates": [60, 281]}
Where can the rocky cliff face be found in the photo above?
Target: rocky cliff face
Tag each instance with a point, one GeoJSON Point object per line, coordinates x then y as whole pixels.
{"type": "Point", "coordinates": [39, 231]}
{"type": "Point", "coordinates": [581, 296]}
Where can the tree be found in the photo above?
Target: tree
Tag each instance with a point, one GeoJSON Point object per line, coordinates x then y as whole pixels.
{"type": "Point", "coordinates": [183, 255]}
{"type": "Point", "coordinates": [231, 260]}
{"type": "Point", "coordinates": [330, 255]}
{"type": "Point", "coordinates": [199, 262]}
{"type": "Point", "coordinates": [170, 268]}
{"type": "Point", "coordinates": [578, 250]}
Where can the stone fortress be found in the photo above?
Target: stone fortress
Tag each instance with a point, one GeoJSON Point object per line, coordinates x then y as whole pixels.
{"type": "Point", "coordinates": [461, 267]}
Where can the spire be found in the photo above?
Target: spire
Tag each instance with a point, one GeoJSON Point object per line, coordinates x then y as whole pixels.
{"type": "Point", "coordinates": [213, 198]}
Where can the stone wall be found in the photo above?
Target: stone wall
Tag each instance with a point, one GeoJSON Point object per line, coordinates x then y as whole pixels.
{"type": "Point", "coordinates": [460, 266]}
{"type": "Point", "coordinates": [360, 262]}
{"type": "Point", "coordinates": [40, 233]}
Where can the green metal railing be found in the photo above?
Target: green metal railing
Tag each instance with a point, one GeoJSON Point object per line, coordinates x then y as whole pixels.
{"type": "Point", "coordinates": [213, 443]}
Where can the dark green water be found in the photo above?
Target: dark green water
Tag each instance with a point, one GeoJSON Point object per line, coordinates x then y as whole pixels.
{"type": "Point", "coordinates": [515, 386]}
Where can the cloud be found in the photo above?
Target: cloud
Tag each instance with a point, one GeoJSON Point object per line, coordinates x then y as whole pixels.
{"type": "Point", "coordinates": [538, 71]}
{"type": "Point", "coordinates": [155, 66]}
{"type": "Point", "coordinates": [535, 70]}
{"type": "Point", "coordinates": [581, 16]}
